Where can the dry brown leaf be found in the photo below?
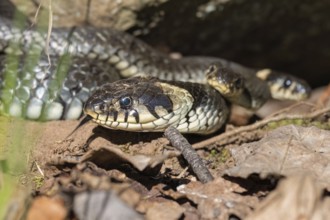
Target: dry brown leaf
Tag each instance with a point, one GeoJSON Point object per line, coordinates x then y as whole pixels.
{"type": "Point", "coordinates": [109, 149]}
{"type": "Point", "coordinates": [89, 177]}
{"type": "Point", "coordinates": [167, 210]}
{"type": "Point", "coordinates": [298, 197]}
{"type": "Point", "coordinates": [218, 199]}
{"type": "Point", "coordinates": [103, 155]}
{"type": "Point", "coordinates": [286, 151]}
{"type": "Point", "coordinates": [47, 208]}
{"type": "Point", "coordinates": [109, 156]}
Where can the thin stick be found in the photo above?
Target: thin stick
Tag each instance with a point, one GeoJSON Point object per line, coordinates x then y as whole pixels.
{"type": "Point", "coordinates": [290, 108]}
{"type": "Point", "coordinates": [257, 125]}
{"type": "Point", "coordinates": [191, 156]}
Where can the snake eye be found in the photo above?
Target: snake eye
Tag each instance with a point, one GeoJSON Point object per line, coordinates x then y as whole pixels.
{"type": "Point", "coordinates": [287, 83]}
{"type": "Point", "coordinates": [125, 102]}
{"type": "Point", "coordinates": [238, 83]}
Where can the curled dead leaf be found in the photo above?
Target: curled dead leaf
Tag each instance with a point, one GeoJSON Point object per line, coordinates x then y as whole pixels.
{"type": "Point", "coordinates": [167, 210]}
{"type": "Point", "coordinates": [286, 151]}
{"type": "Point", "coordinates": [297, 197]}
{"type": "Point", "coordinates": [109, 156]}
{"type": "Point", "coordinates": [47, 208]}
{"type": "Point", "coordinates": [218, 199]}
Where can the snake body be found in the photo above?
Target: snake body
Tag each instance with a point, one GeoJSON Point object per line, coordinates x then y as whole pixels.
{"type": "Point", "coordinates": [85, 58]}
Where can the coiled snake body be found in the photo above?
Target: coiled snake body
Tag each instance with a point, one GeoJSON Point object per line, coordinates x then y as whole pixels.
{"type": "Point", "coordinates": [83, 59]}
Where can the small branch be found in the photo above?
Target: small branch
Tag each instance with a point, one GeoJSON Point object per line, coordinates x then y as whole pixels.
{"type": "Point", "coordinates": [292, 107]}
{"type": "Point", "coordinates": [257, 125]}
{"type": "Point", "coordinates": [189, 154]}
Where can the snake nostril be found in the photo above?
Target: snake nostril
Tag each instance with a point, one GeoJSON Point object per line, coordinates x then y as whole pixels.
{"type": "Point", "coordinates": [103, 107]}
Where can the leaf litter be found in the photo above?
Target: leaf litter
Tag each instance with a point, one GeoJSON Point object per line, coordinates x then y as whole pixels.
{"type": "Point", "coordinates": [286, 151]}
{"type": "Point", "coordinates": [144, 178]}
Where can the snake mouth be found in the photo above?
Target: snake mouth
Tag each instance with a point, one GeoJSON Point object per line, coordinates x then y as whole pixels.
{"type": "Point", "coordinates": [155, 125]}
{"type": "Point", "coordinates": [89, 110]}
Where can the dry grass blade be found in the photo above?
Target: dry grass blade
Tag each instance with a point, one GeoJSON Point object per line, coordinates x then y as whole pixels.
{"type": "Point", "coordinates": [50, 25]}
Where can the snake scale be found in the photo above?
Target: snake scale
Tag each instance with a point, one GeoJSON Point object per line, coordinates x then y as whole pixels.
{"type": "Point", "coordinates": [86, 63]}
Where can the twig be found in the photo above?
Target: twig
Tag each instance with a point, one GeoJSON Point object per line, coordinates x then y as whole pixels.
{"type": "Point", "coordinates": [257, 125]}
{"type": "Point", "coordinates": [290, 108]}
{"type": "Point", "coordinates": [183, 172]}
{"type": "Point", "coordinates": [193, 159]}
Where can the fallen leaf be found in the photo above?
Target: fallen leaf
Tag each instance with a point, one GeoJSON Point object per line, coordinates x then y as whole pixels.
{"type": "Point", "coordinates": [47, 208]}
{"type": "Point", "coordinates": [109, 156]}
{"type": "Point", "coordinates": [218, 199]}
{"type": "Point", "coordinates": [167, 210]}
{"type": "Point", "coordinates": [297, 197]}
{"type": "Point", "coordinates": [285, 151]}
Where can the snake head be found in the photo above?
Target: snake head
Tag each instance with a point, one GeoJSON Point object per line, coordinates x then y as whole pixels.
{"type": "Point", "coordinates": [134, 104]}
{"type": "Point", "coordinates": [284, 86]}
{"type": "Point", "coordinates": [226, 81]}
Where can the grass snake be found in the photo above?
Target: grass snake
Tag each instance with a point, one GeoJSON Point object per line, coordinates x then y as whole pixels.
{"type": "Point", "coordinates": [87, 62]}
